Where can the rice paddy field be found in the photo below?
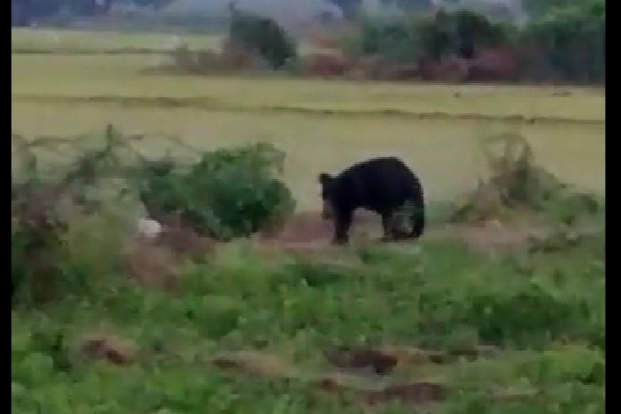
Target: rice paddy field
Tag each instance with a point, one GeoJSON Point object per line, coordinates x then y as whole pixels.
{"type": "Point", "coordinates": [436, 326]}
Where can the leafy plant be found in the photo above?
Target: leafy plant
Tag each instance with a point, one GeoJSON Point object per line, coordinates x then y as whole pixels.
{"type": "Point", "coordinates": [263, 36]}
{"type": "Point", "coordinates": [227, 193]}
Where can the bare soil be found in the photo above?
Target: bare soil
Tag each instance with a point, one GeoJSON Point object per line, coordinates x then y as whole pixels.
{"type": "Point", "coordinates": [339, 375]}
{"type": "Point", "coordinates": [308, 232]}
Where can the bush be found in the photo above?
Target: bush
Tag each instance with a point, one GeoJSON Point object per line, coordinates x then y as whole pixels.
{"type": "Point", "coordinates": [49, 203]}
{"type": "Point", "coordinates": [252, 43]}
{"type": "Point", "coordinates": [227, 193]}
{"type": "Point", "coordinates": [517, 184]}
{"type": "Point", "coordinates": [567, 44]}
{"type": "Point", "coordinates": [460, 33]}
{"type": "Point", "coordinates": [395, 41]}
{"type": "Point", "coordinates": [262, 36]}
{"type": "Point", "coordinates": [571, 42]}
{"type": "Point", "coordinates": [70, 214]}
{"type": "Point", "coordinates": [427, 37]}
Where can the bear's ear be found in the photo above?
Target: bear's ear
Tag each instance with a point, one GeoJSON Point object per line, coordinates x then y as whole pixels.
{"type": "Point", "coordinates": [324, 178]}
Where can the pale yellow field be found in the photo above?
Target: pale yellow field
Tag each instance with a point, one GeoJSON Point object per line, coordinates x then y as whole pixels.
{"type": "Point", "coordinates": [444, 152]}
{"type": "Point", "coordinates": [27, 40]}
{"type": "Point", "coordinates": [321, 125]}
{"type": "Point", "coordinates": [42, 76]}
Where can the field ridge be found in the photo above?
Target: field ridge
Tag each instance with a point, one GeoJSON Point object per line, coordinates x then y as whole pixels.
{"type": "Point", "coordinates": [213, 104]}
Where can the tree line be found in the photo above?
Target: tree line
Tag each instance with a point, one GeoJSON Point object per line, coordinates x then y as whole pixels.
{"type": "Point", "coordinates": [24, 12]}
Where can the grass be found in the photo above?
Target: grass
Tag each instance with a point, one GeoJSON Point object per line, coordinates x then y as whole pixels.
{"type": "Point", "coordinates": [309, 119]}
{"type": "Point", "coordinates": [249, 331]}
{"type": "Point", "coordinates": [316, 143]}
{"type": "Point", "coordinates": [270, 322]}
{"type": "Point", "coordinates": [77, 42]}
{"type": "Point", "coordinates": [119, 76]}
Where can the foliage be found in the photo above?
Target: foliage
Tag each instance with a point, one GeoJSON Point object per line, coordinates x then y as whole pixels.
{"type": "Point", "coordinates": [516, 183]}
{"type": "Point", "coordinates": [263, 36]}
{"type": "Point", "coordinates": [571, 40]}
{"type": "Point", "coordinates": [259, 319]}
{"type": "Point", "coordinates": [49, 199]}
{"type": "Point", "coordinates": [520, 332]}
{"type": "Point", "coordinates": [252, 42]}
{"type": "Point", "coordinates": [226, 193]}
{"type": "Point", "coordinates": [395, 41]}
{"type": "Point", "coordinates": [459, 32]}
{"type": "Point", "coordinates": [411, 39]}
{"type": "Point", "coordinates": [538, 8]}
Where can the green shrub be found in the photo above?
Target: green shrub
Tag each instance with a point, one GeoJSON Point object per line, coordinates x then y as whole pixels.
{"type": "Point", "coordinates": [50, 200]}
{"type": "Point", "coordinates": [518, 184]}
{"type": "Point", "coordinates": [227, 193]}
{"type": "Point", "coordinates": [70, 216]}
{"type": "Point", "coordinates": [567, 43]}
{"type": "Point", "coordinates": [263, 36]}
{"type": "Point", "coordinates": [409, 39]}
{"type": "Point", "coordinates": [459, 33]}
{"type": "Point", "coordinates": [395, 41]}
{"type": "Point", "coordinates": [571, 40]}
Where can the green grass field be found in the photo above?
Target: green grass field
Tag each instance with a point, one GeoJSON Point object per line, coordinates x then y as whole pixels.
{"type": "Point", "coordinates": [254, 331]}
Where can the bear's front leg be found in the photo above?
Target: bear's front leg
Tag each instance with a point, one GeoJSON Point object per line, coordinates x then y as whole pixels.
{"type": "Point", "coordinates": [342, 223]}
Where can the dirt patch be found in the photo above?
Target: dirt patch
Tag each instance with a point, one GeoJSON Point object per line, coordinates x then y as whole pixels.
{"type": "Point", "coordinates": [359, 389]}
{"type": "Point", "coordinates": [265, 366]}
{"type": "Point", "coordinates": [417, 393]}
{"type": "Point", "coordinates": [110, 348]}
{"type": "Point", "coordinates": [383, 360]}
{"type": "Point", "coordinates": [307, 232]}
{"type": "Point", "coordinates": [351, 387]}
{"type": "Point", "coordinates": [382, 363]}
{"type": "Point", "coordinates": [155, 262]}
{"type": "Point", "coordinates": [184, 241]}
{"type": "Point", "coordinates": [151, 265]}
{"type": "Point", "coordinates": [304, 227]}
{"type": "Point", "coordinates": [490, 236]}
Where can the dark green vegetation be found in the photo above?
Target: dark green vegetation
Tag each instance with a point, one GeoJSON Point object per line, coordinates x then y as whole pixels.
{"type": "Point", "coordinates": [247, 326]}
{"type": "Point", "coordinates": [565, 44]}
{"type": "Point", "coordinates": [561, 42]}
{"type": "Point", "coordinates": [263, 36]}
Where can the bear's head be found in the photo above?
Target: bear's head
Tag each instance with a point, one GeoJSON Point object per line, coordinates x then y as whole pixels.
{"type": "Point", "coordinates": [326, 181]}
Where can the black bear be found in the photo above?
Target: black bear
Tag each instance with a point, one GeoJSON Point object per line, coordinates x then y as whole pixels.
{"type": "Point", "coordinates": [383, 185]}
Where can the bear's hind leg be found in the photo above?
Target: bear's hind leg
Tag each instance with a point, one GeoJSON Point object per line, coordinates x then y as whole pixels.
{"type": "Point", "coordinates": [342, 224]}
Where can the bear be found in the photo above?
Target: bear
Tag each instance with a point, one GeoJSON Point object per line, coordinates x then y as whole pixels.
{"type": "Point", "coordinates": [383, 185]}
